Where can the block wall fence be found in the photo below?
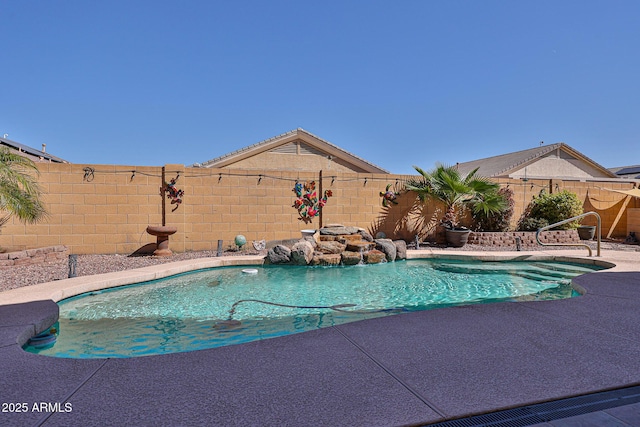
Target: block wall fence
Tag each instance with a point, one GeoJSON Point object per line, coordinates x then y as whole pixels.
{"type": "Point", "coordinates": [105, 209]}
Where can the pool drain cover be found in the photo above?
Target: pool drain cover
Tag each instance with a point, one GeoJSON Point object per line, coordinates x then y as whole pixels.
{"type": "Point", "coordinates": [543, 412]}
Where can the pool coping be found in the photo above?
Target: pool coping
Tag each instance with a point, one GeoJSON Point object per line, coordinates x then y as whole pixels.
{"type": "Point", "coordinates": [365, 345]}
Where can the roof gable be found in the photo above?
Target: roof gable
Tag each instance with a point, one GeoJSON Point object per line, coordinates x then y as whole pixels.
{"type": "Point", "coordinates": [297, 141]}
{"type": "Point", "coordinates": [509, 164]}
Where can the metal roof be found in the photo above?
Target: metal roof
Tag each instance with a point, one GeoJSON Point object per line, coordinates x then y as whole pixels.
{"type": "Point", "coordinates": [624, 171]}
{"type": "Point", "coordinates": [38, 154]}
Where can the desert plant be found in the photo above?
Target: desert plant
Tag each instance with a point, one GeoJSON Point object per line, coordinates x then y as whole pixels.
{"type": "Point", "coordinates": [496, 221]}
{"type": "Point", "coordinates": [552, 208]}
{"type": "Point", "coordinates": [531, 224]}
{"type": "Point", "coordinates": [457, 192]}
{"type": "Point", "coordinates": [20, 194]}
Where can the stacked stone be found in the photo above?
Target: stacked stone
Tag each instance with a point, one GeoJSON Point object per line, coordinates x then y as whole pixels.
{"type": "Point", "coordinates": [527, 238]}
{"type": "Point", "coordinates": [337, 244]}
{"type": "Point", "coordinates": [34, 256]}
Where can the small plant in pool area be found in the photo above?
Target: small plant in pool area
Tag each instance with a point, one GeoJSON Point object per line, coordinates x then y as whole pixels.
{"type": "Point", "coordinates": [551, 208]}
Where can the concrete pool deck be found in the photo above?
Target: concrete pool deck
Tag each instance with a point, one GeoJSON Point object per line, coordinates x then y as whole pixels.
{"type": "Point", "coordinates": [409, 369]}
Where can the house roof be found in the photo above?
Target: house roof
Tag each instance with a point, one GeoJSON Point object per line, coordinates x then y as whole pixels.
{"type": "Point", "coordinates": [36, 155]}
{"type": "Point", "coordinates": [627, 171]}
{"type": "Point", "coordinates": [323, 146]}
{"type": "Point", "coordinates": [505, 164]}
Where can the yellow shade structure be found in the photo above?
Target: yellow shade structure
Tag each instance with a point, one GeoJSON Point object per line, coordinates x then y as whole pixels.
{"type": "Point", "coordinates": [634, 192]}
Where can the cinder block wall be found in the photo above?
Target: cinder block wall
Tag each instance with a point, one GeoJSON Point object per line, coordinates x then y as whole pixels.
{"type": "Point", "coordinates": [633, 221]}
{"type": "Point", "coordinates": [612, 207]}
{"type": "Point", "coordinates": [222, 203]}
{"type": "Point", "coordinates": [92, 209]}
{"type": "Point", "coordinates": [106, 209]}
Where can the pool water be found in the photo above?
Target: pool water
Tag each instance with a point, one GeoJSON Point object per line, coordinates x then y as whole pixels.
{"type": "Point", "coordinates": [192, 311]}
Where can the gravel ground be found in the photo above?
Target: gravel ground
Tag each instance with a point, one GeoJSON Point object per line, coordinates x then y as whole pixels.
{"type": "Point", "coordinates": [16, 277]}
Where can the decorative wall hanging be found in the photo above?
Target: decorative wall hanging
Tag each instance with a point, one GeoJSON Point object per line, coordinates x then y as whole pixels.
{"type": "Point", "coordinates": [307, 203]}
{"type": "Point", "coordinates": [173, 194]}
{"type": "Point", "coordinates": [388, 196]}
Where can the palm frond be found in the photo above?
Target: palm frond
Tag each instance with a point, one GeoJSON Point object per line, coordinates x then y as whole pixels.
{"type": "Point", "coordinates": [20, 194]}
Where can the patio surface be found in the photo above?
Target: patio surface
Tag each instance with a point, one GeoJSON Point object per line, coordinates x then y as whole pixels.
{"type": "Point", "coordinates": [409, 369]}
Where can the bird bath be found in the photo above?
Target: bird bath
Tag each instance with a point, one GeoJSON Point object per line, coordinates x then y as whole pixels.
{"type": "Point", "coordinates": [162, 232]}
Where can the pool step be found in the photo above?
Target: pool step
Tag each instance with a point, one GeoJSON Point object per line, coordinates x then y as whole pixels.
{"type": "Point", "coordinates": [545, 278]}
{"type": "Point", "coordinates": [569, 268]}
{"type": "Point", "coordinates": [552, 273]}
{"type": "Point", "coordinates": [473, 269]}
{"type": "Point", "coordinates": [528, 273]}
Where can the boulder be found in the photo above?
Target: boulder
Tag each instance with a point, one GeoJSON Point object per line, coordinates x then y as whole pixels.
{"type": "Point", "coordinates": [388, 247]}
{"type": "Point", "coordinates": [360, 246]}
{"type": "Point", "coordinates": [302, 253]}
{"type": "Point", "coordinates": [364, 235]}
{"type": "Point", "coordinates": [279, 254]}
{"type": "Point", "coordinates": [311, 240]}
{"type": "Point", "coordinates": [401, 249]}
{"type": "Point", "coordinates": [374, 257]}
{"type": "Point", "coordinates": [344, 238]}
{"type": "Point", "coordinates": [336, 231]}
{"type": "Point", "coordinates": [326, 259]}
{"type": "Point", "coordinates": [351, 258]}
{"type": "Point", "coordinates": [331, 247]}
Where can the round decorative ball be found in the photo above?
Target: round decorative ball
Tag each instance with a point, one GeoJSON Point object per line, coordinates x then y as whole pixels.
{"type": "Point", "coordinates": [240, 240]}
{"type": "Point", "coordinates": [381, 235]}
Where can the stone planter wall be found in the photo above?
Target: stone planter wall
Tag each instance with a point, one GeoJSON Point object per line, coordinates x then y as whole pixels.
{"type": "Point", "coordinates": [33, 256]}
{"type": "Point", "coordinates": [527, 238]}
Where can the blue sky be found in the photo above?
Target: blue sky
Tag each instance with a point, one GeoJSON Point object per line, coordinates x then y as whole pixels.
{"type": "Point", "coordinates": [397, 83]}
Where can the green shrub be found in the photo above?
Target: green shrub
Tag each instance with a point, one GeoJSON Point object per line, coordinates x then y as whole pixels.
{"type": "Point", "coordinates": [532, 224]}
{"type": "Point", "coordinates": [552, 208]}
{"type": "Point", "coordinates": [496, 221]}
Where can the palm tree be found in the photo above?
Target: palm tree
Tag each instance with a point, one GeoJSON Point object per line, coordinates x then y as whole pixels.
{"type": "Point", "coordinates": [456, 192]}
{"type": "Point", "coordinates": [20, 194]}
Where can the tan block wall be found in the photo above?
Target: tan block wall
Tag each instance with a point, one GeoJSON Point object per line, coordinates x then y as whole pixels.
{"type": "Point", "coordinates": [220, 204]}
{"type": "Point", "coordinates": [108, 210]}
{"type": "Point", "coordinates": [633, 221]}
{"type": "Point", "coordinates": [91, 212]}
{"type": "Point", "coordinates": [612, 207]}
{"type": "Point", "coordinates": [595, 195]}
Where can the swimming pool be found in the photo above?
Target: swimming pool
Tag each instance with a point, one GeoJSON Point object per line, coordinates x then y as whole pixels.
{"type": "Point", "coordinates": [226, 306]}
